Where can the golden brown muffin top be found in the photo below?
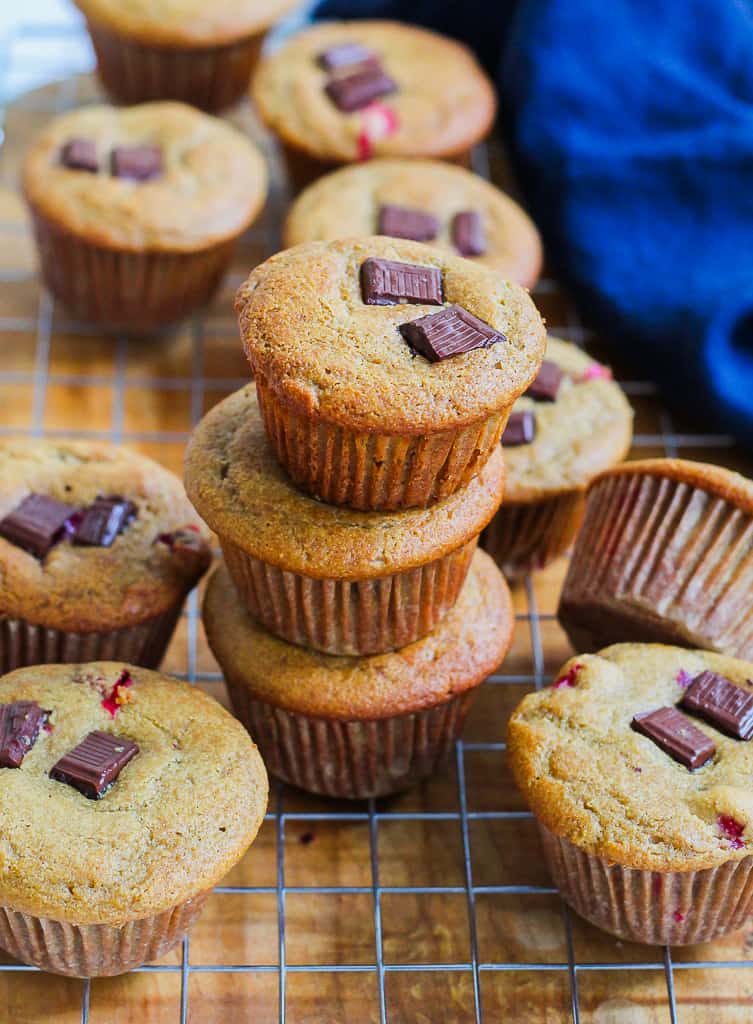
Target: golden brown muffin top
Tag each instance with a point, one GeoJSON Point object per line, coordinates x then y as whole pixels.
{"type": "Point", "coordinates": [589, 777]}
{"type": "Point", "coordinates": [240, 490]}
{"type": "Point", "coordinates": [444, 102]}
{"type": "Point", "coordinates": [346, 203]}
{"type": "Point", "coordinates": [185, 22]}
{"type": "Point", "coordinates": [178, 817]}
{"type": "Point", "coordinates": [586, 429]}
{"type": "Point", "coordinates": [724, 483]}
{"type": "Point", "coordinates": [309, 335]}
{"type": "Point", "coordinates": [457, 655]}
{"type": "Point", "coordinates": [90, 588]}
{"type": "Point", "coordinates": [214, 180]}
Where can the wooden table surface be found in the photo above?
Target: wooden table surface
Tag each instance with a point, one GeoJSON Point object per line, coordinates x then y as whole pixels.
{"type": "Point", "coordinates": [433, 906]}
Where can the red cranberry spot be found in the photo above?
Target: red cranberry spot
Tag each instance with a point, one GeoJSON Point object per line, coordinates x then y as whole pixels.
{"type": "Point", "coordinates": [48, 726]}
{"type": "Point", "coordinates": [114, 699]}
{"type": "Point", "coordinates": [596, 371]}
{"type": "Point", "coordinates": [684, 678]}
{"type": "Point", "coordinates": [678, 916]}
{"type": "Point", "coordinates": [569, 678]}
{"type": "Point", "coordinates": [732, 830]}
{"type": "Point", "coordinates": [377, 122]}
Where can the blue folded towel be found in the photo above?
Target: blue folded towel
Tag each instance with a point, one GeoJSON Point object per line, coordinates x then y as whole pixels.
{"type": "Point", "coordinates": [630, 125]}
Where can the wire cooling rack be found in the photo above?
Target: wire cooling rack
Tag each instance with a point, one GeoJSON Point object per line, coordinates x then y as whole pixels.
{"type": "Point", "coordinates": [430, 906]}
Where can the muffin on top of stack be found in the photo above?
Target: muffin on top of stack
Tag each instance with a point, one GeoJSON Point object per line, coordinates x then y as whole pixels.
{"type": "Point", "coordinates": [353, 618]}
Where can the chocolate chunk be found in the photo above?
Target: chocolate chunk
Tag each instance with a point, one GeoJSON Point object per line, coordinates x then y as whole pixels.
{"type": "Point", "coordinates": [547, 383]}
{"type": "Point", "coordinates": [675, 735]}
{"type": "Point", "coordinates": [520, 429]}
{"type": "Point", "coordinates": [345, 55]}
{"type": "Point", "coordinates": [36, 524]}
{"type": "Point", "coordinates": [450, 332]}
{"type": "Point", "coordinates": [357, 90]}
{"type": "Point", "coordinates": [720, 702]}
{"type": "Point", "coordinates": [468, 233]}
{"type": "Point", "coordinates": [139, 163]}
{"type": "Point", "coordinates": [403, 222]}
{"type": "Point", "coordinates": [20, 723]}
{"type": "Point", "coordinates": [95, 763]}
{"type": "Point", "coordinates": [102, 521]}
{"type": "Point", "coordinates": [80, 155]}
{"type": "Point", "coordinates": [387, 282]}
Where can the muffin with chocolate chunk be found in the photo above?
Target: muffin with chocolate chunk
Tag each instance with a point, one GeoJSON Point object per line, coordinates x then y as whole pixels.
{"type": "Point", "coordinates": [125, 797]}
{"type": "Point", "coordinates": [424, 200]}
{"type": "Point", "coordinates": [572, 423]}
{"type": "Point", "coordinates": [385, 369]}
{"type": "Point", "coordinates": [638, 766]}
{"type": "Point", "coordinates": [98, 549]}
{"type": "Point", "coordinates": [137, 211]}
{"type": "Point", "coordinates": [344, 91]}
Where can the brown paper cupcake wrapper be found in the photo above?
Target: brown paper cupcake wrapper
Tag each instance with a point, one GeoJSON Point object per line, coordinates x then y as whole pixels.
{"type": "Point", "coordinates": [356, 759]}
{"type": "Point", "coordinates": [129, 290]}
{"type": "Point", "coordinates": [383, 472]}
{"type": "Point", "coordinates": [527, 536]}
{"type": "Point", "coordinates": [91, 950]}
{"type": "Point", "coordinates": [349, 617]}
{"type": "Point", "coordinates": [656, 907]}
{"type": "Point", "coordinates": [211, 78]}
{"type": "Point", "coordinates": [22, 643]}
{"type": "Point", "coordinates": [659, 560]}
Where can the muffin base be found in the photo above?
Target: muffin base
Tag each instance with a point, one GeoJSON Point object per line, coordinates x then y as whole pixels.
{"type": "Point", "coordinates": [349, 617]}
{"type": "Point", "coordinates": [209, 77]}
{"type": "Point", "coordinates": [356, 759]}
{"type": "Point", "coordinates": [117, 289]}
{"type": "Point", "coordinates": [376, 472]}
{"type": "Point", "coordinates": [23, 643]}
{"type": "Point", "coordinates": [660, 560]}
{"type": "Point", "coordinates": [655, 907]}
{"type": "Point", "coordinates": [526, 536]}
{"type": "Point", "coordinates": [94, 950]}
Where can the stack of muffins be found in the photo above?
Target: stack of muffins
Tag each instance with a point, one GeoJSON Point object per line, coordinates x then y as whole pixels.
{"type": "Point", "coordinates": [352, 618]}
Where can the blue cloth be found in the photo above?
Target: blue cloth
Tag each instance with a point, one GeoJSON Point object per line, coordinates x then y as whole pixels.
{"type": "Point", "coordinates": [630, 125]}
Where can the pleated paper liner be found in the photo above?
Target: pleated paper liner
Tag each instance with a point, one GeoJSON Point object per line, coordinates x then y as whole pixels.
{"type": "Point", "coordinates": [375, 472]}
{"type": "Point", "coordinates": [351, 617]}
{"type": "Point", "coordinates": [23, 643]}
{"type": "Point", "coordinates": [655, 907]}
{"type": "Point", "coordinates": [660, 559]}
{"type": "Point", "coordinates": [94, 950]}
{"type": "Point", "coordinates": [526, 536]}
{"type": "Point", "coordinates": [118, 289]}
{"type": "Point", "coordinates": [209, 77]}
{"type": "Point", "coordinates": [352, 759]}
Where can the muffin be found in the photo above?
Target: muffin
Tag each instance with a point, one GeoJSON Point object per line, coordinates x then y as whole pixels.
{"type": "Point", "coordinates": [360, 727]}
{"type": "Point", "coordinates": [202, 54]}
{"type": "Point", "coordinates": [385, 369]}
{"type": "Point", "coordinates": [137, 211]}
{"type": "Point", "coordinates": [572, 423]}
{"type": "Point", "coordinates": [125, 797]}
{"type": "Point", "coordinates": [351, 90]}
{"type": "Point", "coordinates": [665, 554]}
{"type": "Point", "coordinates": [98, 549]}
{"type": "Point", "coordinates": [423, 200]}
{"type": "Point", "coordinates": [638, 767]}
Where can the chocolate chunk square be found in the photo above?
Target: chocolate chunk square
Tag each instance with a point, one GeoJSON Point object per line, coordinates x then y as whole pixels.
{"type": "Point", "coordinates": [547, 383]}
{"type": "Point", "coordinates": [138, 163]}
{"type": "Point", "coordinates": [345, 55]}
{"type": "Point", "coordinates": [94, 765]}
{"type": "Point", "coordinates": [450, 332]}
{"type": "Point", "coordinates": [676, 735]}
{"type": "Point", "coordinates": [36, 524]}
{"type": "Point", "coordinates": [520, 429]}
{"type": "Point", "coordinates": [102, 521]}
{"type": "Point", "coordinates": [404, 222]}
{"type": "Point", "coordinates": [357, 90]}
{"type": "Point", "coordinates": [387, 282]}
{"type": "Point", "coordinates": [717, 700]}
{"type": "Point", "coordinates": [468, 233]}
{"type": "Point", "coordinates": [20, 723]}
{"type": "Point", "coordinates": [80, 155]}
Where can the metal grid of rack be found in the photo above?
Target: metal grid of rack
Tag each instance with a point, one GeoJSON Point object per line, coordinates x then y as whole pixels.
{"type": "Point", "coordinates": [45, 363]}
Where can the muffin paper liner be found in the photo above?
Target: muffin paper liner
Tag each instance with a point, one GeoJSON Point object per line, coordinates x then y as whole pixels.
{"type": "Point", "coordinates": [356, 759]}
{"type": "Point", "coordinates": [119, 289]}
{"type": "Point", "coordinates": [660, 560]}
{"type": "Point", "coordinates": [527, 536]}
{"type": "Point", "coordinates": [369, 471]}
{"type": "Point", "coordinates": [23, 643]}
{"type": "Point", "coordinates": [656, 907]}
{"type": "Point", "coordinates": [349, 616]}
{"type": "Point", "coordinates": [209, 77]}
{"type": "Point", "coordinates": [92, 950]}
